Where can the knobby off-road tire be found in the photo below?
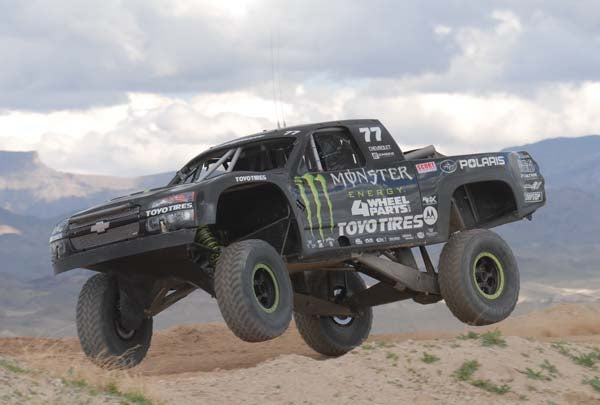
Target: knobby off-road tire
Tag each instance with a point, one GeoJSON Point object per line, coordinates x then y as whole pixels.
{"type": "Point", "coordinates": [253, 290]}
{"type": "Point", "coordinates": [479, 277]}
{"type": "Point", "coordinates": [102, 338]}
{"type": "Point", "coordinates": [334, 336]}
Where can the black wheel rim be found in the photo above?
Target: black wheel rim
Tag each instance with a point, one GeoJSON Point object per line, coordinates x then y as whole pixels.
{"type": "Point", "coordinates": [488, 275]}
{"type": "Point", "coordinates": [339, 294]}
{"type": "Point", "coordinates": [123, 332]}
{"type": "Point", "coordinates": [266, 290]}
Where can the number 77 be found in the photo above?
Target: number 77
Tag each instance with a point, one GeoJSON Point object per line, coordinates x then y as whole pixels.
{"type": "Point", "coordinates": [369, 131]}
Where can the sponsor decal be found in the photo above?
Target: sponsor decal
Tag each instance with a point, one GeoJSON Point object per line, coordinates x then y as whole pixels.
{"type": "Point", "coordinates": [382, 225]}
{"type": "Point", "coordinates": [380, 148]}
{"type": "Point", "coordinates": [420, 235]}
{"type": "Point", "coordinates": [408, 236]}
{"type": "Point", "coordinates": [100, 227]}
{"type": "Point", "coordinates": [380, 155]}
{"type": "Point", "coordinates": [375, 192]}
{"type": "Point", "coordinates": [526, 176]}
{"type": "Point", "coordinates": [430, 200]}
{"type": "Point", "coordinates": [291, 133]}
{"type": "Point", "coordinates": [320, 243]}
{"type": "Point", "coordinates": [486, 161]}
{"type": "Point", "coordinates": [351, 178]}
{"type": "Point", "coordinates": [163, 210]}
{"type": "Point", "coordinates": [313, 183]}
{"type": "Point", "coordinates": [448, 166]}
{"type": "Point", "coordinates": [532, 186]}
{"type": "Point", "coordinates": [535, 196]}
{"type": "Point", "coordinates": [381, 206]}
{"type": "Point", "coordinates": [253, 177]}
{"type": "Point", "coordinates": [430, 215]}
{"type": "Point", "coordinates": [431, 232]}
{"type": "Point", "coordinates": [395, 238]}
{"type": "Point", "coordinates": [426, 167]}
{"type": "Point", "coordinates": [526, 165]}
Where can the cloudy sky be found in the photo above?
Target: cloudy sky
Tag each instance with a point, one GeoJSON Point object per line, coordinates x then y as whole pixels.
{"type": "Point", "coordinates": [140, 86]}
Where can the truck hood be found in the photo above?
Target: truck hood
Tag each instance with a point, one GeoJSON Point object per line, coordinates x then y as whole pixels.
{"type": "Point", "coordinates": [140, 198]}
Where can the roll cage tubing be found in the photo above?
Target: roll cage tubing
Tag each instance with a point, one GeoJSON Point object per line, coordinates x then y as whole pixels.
{"type": "Point", "coordinates": [236, 154]}
{"type": "Point", "coordinates": [294, 157]}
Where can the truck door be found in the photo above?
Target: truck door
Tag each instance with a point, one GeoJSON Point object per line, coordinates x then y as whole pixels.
{"type": "Point", "coordinates": [351, 200]}
{"type": "Point", "coordinates": [328, 152]}
{"type": "Point", "coordinates": [392, 198]}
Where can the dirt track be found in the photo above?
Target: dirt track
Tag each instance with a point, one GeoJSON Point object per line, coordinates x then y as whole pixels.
{"type": "Point", "coordinates": [207, 361]}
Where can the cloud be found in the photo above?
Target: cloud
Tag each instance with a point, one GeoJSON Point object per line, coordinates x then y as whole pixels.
{"type": "Point", "coordinates": [68, 54]}
{"type": "Point", "coordinates": [160, 133]}
{"type": "Point", "coordinates": [157, 134]}
{"type": "Point", "coordinates": [142, 86]}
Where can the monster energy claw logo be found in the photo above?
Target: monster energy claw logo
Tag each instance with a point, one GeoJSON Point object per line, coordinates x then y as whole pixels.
{"type": "Point", "coordinates": [311, 182]}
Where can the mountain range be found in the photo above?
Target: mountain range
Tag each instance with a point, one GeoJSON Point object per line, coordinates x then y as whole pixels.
{"type": "Point", "coordinates": [557, 252]}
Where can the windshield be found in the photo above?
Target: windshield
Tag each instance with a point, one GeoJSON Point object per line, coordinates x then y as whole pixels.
{"type": "Point", "coordinates": [256, 157]}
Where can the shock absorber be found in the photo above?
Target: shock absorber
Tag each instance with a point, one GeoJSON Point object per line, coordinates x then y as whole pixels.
{"type": "Point", "coordinates": [205, 238]}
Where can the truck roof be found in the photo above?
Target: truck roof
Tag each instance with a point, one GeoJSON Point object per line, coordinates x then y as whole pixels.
{"type": "Point", "coordinates": [282, 132]}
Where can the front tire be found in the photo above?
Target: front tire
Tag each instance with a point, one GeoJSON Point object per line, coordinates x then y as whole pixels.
{"type": "Point", "coordinates": [253, 290]}
{"type": "Point", "coordinates": [329, 335]}
{"type": "Point", "coordinates": [103, 338]}
{"type": "Point", "coordinates": [479, 277]}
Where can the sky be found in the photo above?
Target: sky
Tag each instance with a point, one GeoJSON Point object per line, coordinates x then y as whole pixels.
{"type": "Point", "coordinates": [141, 86]}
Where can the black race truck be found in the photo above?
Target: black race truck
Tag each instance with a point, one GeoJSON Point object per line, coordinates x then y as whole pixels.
{"type": "Point", "coordinates": [285, 222]}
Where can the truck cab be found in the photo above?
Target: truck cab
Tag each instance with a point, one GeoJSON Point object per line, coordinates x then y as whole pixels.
{"type": "Point", "coordinates": [355, 188]}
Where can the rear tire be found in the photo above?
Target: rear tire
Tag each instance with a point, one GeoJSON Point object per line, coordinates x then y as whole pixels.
{"type": "Point", "coordinates": [253, 290]}
{"type": "Point", "coordinates": [334, 336]}
{"type": "Point", "coordinates": [104, 341]}
{"type": "Point", "coordinates": [479, 277]}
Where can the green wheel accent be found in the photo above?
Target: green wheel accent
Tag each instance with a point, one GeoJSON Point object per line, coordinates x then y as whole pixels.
{"type": "Point", "coordinates": [266, 289]}
{"type": "Point", "coordinates": [487, 267]}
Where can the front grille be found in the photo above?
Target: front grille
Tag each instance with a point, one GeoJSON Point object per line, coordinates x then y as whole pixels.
{"type": "Point", "coordinates": [119, 213]}
{"type": "Point", "coordinates": [112, 235]}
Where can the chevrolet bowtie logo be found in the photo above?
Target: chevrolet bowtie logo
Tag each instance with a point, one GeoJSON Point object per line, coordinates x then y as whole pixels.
{"type": "Point", "coordinates": [100, 227]}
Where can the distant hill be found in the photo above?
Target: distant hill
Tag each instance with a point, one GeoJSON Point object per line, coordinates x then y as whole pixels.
{"type": "Point", "coordinates": [29, 187]}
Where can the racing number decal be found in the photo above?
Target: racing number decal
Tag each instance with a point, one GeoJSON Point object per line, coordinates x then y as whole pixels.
{"type": "Point", "coordinates": [368, 131]}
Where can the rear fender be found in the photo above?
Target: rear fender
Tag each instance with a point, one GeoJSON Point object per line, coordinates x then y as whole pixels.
{"type": "Point", "coordinates": [450, 174]}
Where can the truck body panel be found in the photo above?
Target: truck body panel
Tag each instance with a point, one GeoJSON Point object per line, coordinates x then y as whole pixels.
{"type": "Point", "coordinates": [379, 199]}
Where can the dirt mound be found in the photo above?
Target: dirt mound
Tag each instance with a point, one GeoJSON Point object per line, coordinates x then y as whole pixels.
{"type": "Point", "coordinates": [209, 362]}
{"type": "Point", "coordinates": [448, 371]}
{"type": "Point", "coordinates": [208, 347]}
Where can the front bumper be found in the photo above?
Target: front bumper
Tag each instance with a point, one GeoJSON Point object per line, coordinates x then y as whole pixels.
{"type": "Point", "coordinates": [122, 249]}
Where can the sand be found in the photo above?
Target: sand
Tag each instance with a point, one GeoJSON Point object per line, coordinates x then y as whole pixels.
{"type": "Point", "coordinates": [207, 364]}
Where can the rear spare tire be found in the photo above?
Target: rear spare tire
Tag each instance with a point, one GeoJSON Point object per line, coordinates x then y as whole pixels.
{"type": "Point", "coordinates": [253, 290]}
{"type": "Point", "coordinates": [103, 338]}
{"type": "Point", "coordinates": [479, 277]}
{"type": "Point", "coordinates": [330, 335]}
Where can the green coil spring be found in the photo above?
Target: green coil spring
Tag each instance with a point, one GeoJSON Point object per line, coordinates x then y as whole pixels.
{"type": "Point", "coordinates": [205, 238]}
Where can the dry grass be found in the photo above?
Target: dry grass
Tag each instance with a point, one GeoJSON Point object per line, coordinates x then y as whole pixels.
{"type": "Point", "coordinates": [108, 379]}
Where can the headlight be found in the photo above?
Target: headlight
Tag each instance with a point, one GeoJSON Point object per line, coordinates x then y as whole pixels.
{"type": "Point", "coordinates": [171, 213]}
{"type": "Point", "coordinates": [59, 231]}
{"type": "Point", "coordinates": [171, 221]}
{"type": "Point", "coordinates": [174, 199]}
